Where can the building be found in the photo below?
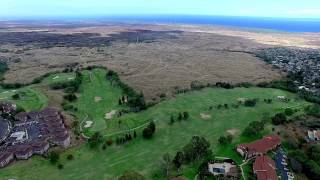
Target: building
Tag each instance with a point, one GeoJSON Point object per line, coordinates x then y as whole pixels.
{"type": "Point", "coordinates": [40, 147]}
{"type": "Point", "coordinates": [6, 107]}
{"type": "Point", "coordinates": [314, 135]}
{"type": "Point", "coordinates": [226, 169]}
{"type": "Point", "coordinates": [23, 152]}
{"type": "Point", "coordinates": [264, 168]}
{"type": "Point", "coordinates": [259, 147]}
{"type": "Point", "coordinates": [5, 158]}
{"type": "Point", "coordinates": [32, 133]}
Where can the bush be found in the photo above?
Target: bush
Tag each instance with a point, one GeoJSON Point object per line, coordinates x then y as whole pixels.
{"type": "Point", "coordinates": [223, 140]}
{"type": "Point", "coordinates": [147, 133]}
{"type": "Point", "coordinates": [60, 166]}
{"type": "Point", "coordinates": [70, 157]}
{"type": "Point", "coordinates": [16, 96]}
{"type": "Point", "coordinates": [279, 118]}
{"type": "Point", "coordinates": [250, 102]}
{"type": "Point", "coordinates": [254, 128]}
{"type": "Point", "coordinates": [289, 111]}
{"type": "Point", "coordinates": [70, 97]}
{"type": "Point", "coordinates": [54, 157]}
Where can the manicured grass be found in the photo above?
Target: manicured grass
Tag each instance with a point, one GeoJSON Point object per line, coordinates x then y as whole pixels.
{"type": "Point", "coordinates": [61, 77]}
{"type": "Point", "coordinates": [144, 155]}
{"type": "Point", "coordinates": [97, 97]}
{"type": "Point", "coordinates": [30, 99]}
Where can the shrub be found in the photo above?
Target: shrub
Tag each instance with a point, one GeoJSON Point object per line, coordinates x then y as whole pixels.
{"type": "Point", "coordinates": [279, 118]}
{"type": "Point", "coordinates": [70, 157]}
{"type": "Point", "coordinates": [289, 111]}
{"type": "Point", "coordinates": [54, 157]}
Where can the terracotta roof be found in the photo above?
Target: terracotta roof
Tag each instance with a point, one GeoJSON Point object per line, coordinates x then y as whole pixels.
{"type": "Point", "coordinates": [265, 169]}
{"type": "Point", "coordinates": [262, 145]}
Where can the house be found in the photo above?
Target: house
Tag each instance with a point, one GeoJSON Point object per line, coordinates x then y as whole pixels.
{"type": "Point", "coordinates": [223, 168]}
{"type": "Point", "coordinates": [5, 158]}
{"type": "Point", "coordinates": [23, 152]}
{"type": "Point", "coordinates": [264, 168]}
{"type": "Point", "coordinates": [61, 139]}
{"type": "Point", "coordinates": [314, 135]}
{"type": "Point", "coordinates": [40, 147]}
{"type": "Point", "coordinates": [259, 147]}
{"type": "Point", "coordinates": [6, 107]}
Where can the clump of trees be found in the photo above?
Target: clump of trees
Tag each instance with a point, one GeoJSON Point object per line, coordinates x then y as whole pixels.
{"type": "Point", "coordinates": [131, 175]}
{"type": "Point", "coordinates": [250, 102]}
{"type": "Point", "coordinates": [125, 138]}
{"type": "Point", "coordinates": [54, 157]}
{"type": "Point", "coordinates": [95, 140]}
{"type": "Point", "coordinates": [254, 128]}
{"type": "Point", "coordinates": [135, 100]}
{"type": "Point", "coordinates": [70, 97]}
{"type": "Point", "coordinates": [313, 110]}
{"type": "Point", "coordinates": [149, 130]}
{"type": "Point", "coordinates": [279, 118]}
{"type": "Point", "coordinates": [223, 140]}
{"type": "Point", "coordinates": [195, 150]}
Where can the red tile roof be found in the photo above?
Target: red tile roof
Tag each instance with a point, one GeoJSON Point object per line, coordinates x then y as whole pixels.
{"type": "Point", "coordinates": [263, 145]}
{"type": "Point", "coordinates": [265, 169]}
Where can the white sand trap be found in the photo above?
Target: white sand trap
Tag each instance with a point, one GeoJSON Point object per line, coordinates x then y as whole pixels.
{"type": "Point", "coordinates": [71, 78]}
{"type": "Point", "coordinates": [205, 116]}
{"type": "Point", "coordinates": [56, 77]}
{"type": "Point", "coordinates": [110, 114]}
{"type": "Point", "coordinates": [3, 98]}
{"type": "Point", "coordinates": [242, 100]}
{"type": "Point", "coordinates": [13, 90]}
{"type": "Point", "coordinates": [97, 99]}
{"type": "Point", "coordinates": [5, 92]}
{"type": "Point", "coordinates": [88, 124]}
{"type": "Point", "coordinates": [233, 131]}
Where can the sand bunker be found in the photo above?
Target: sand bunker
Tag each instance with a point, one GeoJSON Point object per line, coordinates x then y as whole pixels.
{"type": "Point", "coordinates": [205, 116]}
{"type": "Point", "coordinates": [88, 124]}
{"type": "Point", "coordinates": [97, 99]}
{"type": "Point", "coordinates": [233, 131]}
{"type": "Point", "coordinates": [56, 77]}
{"type": "Point", "coordinates": [110, 114]}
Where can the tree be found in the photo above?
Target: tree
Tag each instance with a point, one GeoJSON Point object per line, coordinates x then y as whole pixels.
{"type": "Point", "coordinates": [166, 164]}
{"type": "Point", "coordinates": [196, 149]}
{"type": "Point", "coordinates": [171, 119]}
{"type": "Point", "coordinates": [16, 96]}
{"type": "Point", "coordinates": [147, 133]}
{"type": "Point", "coordinates": [152, 126]}
{"type": "Point", "coordinates": [279, 118]}
{"type": "Point", "coordinates": [70, 157]}
{"type": "Point", "coordinates": [250, 102]}
{"type": "Point", "coordinates": [185, 115]}
{"type": "Point", "coordinates": [54, 157]}
{"type": "Point", "coordinates": [288, 111]}
{"type": "Point", "coordinates": [254, 128]}
{"type": "Point", "coordinates": [225, 139]}
{"type": "Point", "coordinates": [95, 140]}
{"type": "Point", "coordinates": [131, 175]}
{"type": "Point", "coordinates": [178, 159]}
{"type": "Point", "coordinates": [70, 97]}
{"type": "Point", "coordinates": [134, 134]}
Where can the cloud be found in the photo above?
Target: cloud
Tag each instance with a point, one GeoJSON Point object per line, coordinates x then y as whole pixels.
{"type": "Point", "coordinates": [304, 12]}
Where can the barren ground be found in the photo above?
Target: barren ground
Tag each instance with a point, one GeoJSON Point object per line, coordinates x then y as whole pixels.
{"type": "Point", "coordinates": [154, 61]}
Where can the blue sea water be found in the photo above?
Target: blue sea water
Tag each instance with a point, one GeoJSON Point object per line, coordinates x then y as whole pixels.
{"type": "Point", "coordinates": [277, 24]}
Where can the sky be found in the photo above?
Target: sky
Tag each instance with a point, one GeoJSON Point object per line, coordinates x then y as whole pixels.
{"type": "Point", "coordinates": [255, 8]}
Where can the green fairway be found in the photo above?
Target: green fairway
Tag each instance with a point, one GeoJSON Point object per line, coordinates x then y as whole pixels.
{"type": "Point", "coordinates": [144, 155]}
{"type": "Point", "coordinates": [30, 99]}
{"type": "Point", "coordinates": [57, 78]}
{"type": "Point", "coordinates": [97, 97]}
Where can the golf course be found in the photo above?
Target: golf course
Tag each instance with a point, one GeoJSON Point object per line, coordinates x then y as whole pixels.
{"type": "Point", "coordinates": [97, 96]}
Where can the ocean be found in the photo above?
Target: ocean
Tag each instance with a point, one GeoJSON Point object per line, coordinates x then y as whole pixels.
{"type": "Point", "coordinates": [274, 24]}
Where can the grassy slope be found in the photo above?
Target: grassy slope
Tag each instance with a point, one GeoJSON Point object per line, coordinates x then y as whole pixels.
{"type": "Point", "coordinates": [30, 98]}
{"type": "Point", "coordinates": [97, 86]}
{"type": "Point", "coordinates": [143, 155]}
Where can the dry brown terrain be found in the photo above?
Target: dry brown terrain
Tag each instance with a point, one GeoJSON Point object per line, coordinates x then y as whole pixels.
{"type": "Point", "coordinates": [155, 63]}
